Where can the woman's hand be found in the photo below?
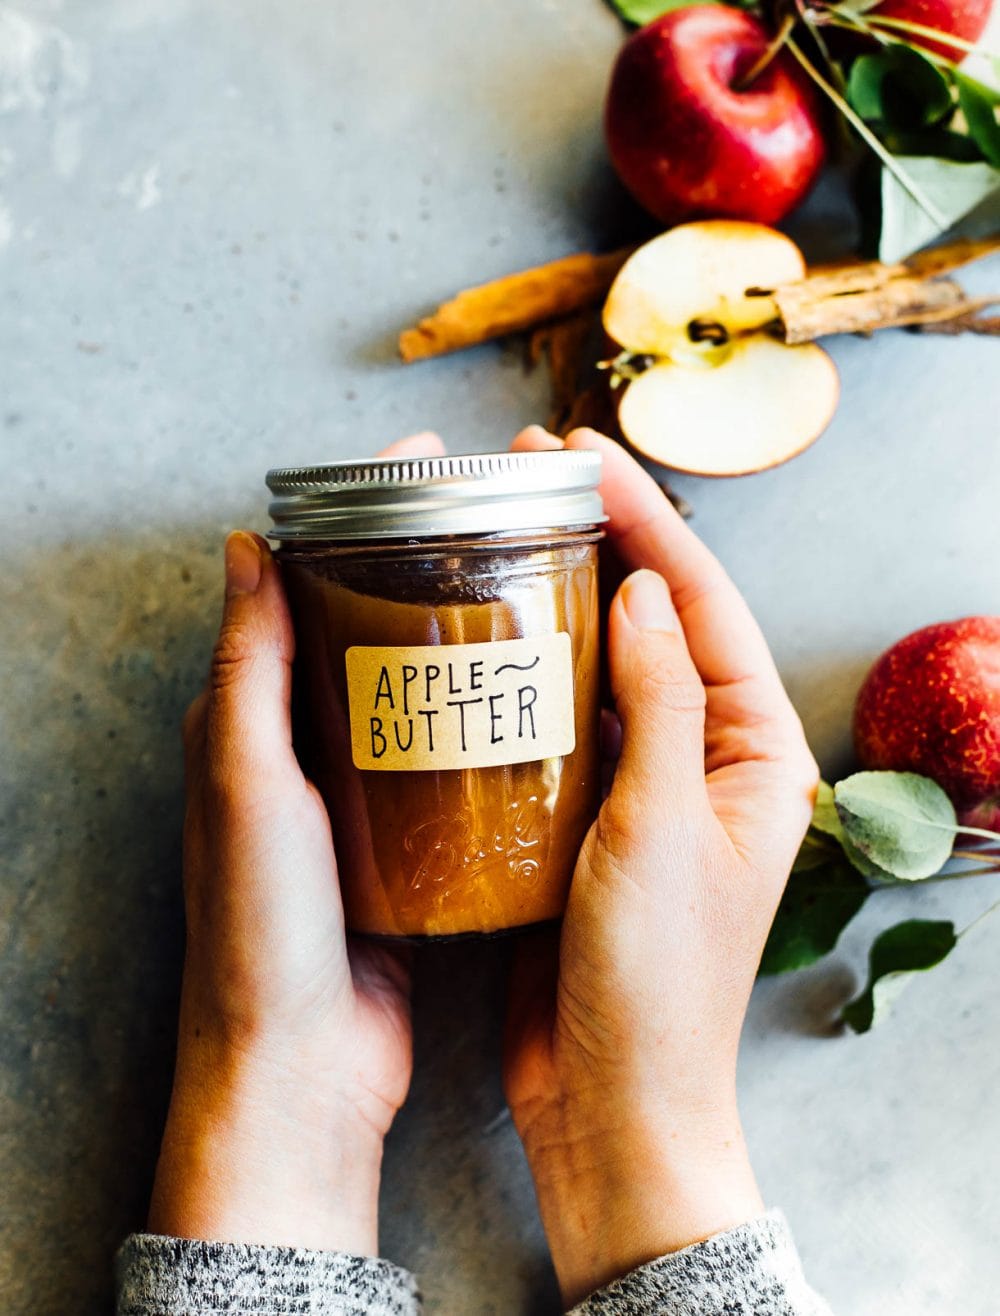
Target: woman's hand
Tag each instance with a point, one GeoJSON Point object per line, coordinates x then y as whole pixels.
{"type": "Point", "coordinates": [622, 1040]}
{"type": "Point", "coordinates": [294, 1048]}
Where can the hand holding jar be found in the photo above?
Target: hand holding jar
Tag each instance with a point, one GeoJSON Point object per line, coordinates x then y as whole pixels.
{"type": "Point", "coordinates": [623, 1033]}
{"type": "Point", "coordinates": [294, 1048]}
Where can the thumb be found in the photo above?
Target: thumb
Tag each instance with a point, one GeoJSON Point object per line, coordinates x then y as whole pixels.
{"type": "Point", "coordinates": [660, 700]}
{"type": "Point", "coordinates": [249, 728]}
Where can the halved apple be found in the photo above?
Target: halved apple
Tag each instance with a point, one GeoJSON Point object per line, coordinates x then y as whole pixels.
{"type": "Point", "coordinates": [721, 395]}
{"type": "Point", "coordinates": [698, 272]}
{"type": "Point", "coordinates": [764, 403]}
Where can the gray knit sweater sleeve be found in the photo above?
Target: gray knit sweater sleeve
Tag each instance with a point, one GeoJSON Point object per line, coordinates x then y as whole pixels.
{"type": "Point", "coordinates": [749, 1271]}
{"type": "Point", "coordinates": [158, 1276]}
{"type": "Point", "coordinates": [753, 1270]}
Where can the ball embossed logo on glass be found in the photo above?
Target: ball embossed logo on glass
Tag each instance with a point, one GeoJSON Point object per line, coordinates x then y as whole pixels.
{"type": "Point", "coordinates": [448, 850]}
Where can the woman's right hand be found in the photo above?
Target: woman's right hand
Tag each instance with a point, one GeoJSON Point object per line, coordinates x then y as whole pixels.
{"type": "Point", "coordinates": [620, 1059]}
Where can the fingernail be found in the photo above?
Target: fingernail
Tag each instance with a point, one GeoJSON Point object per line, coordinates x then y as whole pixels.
{"type": "Point", "coordinates": [243, 564]}
{"type": "Point", "coordinates": [648, 604]}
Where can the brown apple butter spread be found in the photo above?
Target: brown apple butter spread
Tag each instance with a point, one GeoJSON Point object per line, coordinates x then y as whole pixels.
{"type": "Point", "coordinates": [446, 682]}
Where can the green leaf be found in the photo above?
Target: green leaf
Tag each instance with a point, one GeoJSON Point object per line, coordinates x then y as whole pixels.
{"type": "Point", "coordinates": [816, 906]}
{"type": "Point", "coordinates": [900, 821]}
{"type": "Point", "coordinates": [900, 88]}
{"type": "Point", "coordinates": [641, 12]}
{"type": "Point", "coordinates": [942, 142]}
{"type": "Point", "coordinates": [978, 105]}
{"type": "Point", "coordinates": [956, 190]}
{"type": "Point", "coordinates": [867, 867]}
{"type": "Point", "coordinates": [896, 955]}
{"type": "Point", "coordinates": [825, 817]}
{"type": "Point", "coordinates": [988, 92]}
{"type": "Point", "coordinates": [814, 851]}
{"type": "Point", "coordinates": [864, 86]}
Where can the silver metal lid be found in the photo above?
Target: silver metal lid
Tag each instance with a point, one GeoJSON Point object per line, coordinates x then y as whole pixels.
{"type": "Point", "coordinates": [419, 497]}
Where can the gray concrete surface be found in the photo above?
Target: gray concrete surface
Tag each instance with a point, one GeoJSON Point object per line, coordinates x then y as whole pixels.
{"type": "Point", "coordinates": [213, 220]}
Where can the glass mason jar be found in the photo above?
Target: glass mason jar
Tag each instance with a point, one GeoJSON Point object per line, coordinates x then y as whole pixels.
{"type": "Point", "coordinates": [446, 679]}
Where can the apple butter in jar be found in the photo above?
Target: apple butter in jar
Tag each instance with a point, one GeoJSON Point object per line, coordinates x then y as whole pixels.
{"type": "Point", "coordinates": [446, 679]}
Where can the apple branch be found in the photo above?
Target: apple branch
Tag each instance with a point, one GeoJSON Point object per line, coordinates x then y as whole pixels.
{"type": "Point", "coordinates": [980, 918]}
{"type": "Point", "coordinates": [815, 25]}
{"type": "Point", "coordinates": [869, 138]}
{"type": "Point", "coordinates": [983, 871]}
{"type": "Point", "coordinates": [931, 33]}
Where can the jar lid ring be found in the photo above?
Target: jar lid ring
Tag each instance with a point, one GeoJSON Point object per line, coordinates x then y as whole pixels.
{"type": "Point", "coordinates": [418, 497]}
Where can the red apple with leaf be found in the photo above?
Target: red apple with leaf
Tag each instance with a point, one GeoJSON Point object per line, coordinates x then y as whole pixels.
{"type": "Point", "coordinates": [915, 20]}
{"type": "Point", "coordinates": [690, 134]}
{"type": "Point", "coordinates": [714, 112]}
{"type": "Point", "coordinates": [927, 729]}
{"type": "Point", "coordinates": [931, 704]}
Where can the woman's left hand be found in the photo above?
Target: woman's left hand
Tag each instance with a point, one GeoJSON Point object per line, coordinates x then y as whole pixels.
{"type": "Point", "coordinates": [294, 1048]}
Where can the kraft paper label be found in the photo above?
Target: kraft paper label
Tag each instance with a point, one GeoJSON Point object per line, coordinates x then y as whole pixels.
{"type": "Point", "coordinates": [421, 707]}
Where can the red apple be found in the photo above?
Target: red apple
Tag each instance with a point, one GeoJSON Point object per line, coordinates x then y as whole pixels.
{"type": "Point", "coordinates": [931, 704]}
{"type": "Point", "coordinates": [966, 19]}
{"type": "Point", "coordinates": [686, 140]}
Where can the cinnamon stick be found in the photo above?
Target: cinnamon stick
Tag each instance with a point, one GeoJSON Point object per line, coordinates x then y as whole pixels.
{"type": "Point", "coordinates": [514, 303]}
{"type": "Point", "coordinates": [951, 255]}
{"type": "Point", "coordinates": [862, 296]}
{"type": "Point", "coordinates": [817, 307]}
{"type": "Point", "coordinates": [969, 322]}
{"type": "Point", "coordinates": [847, 297]}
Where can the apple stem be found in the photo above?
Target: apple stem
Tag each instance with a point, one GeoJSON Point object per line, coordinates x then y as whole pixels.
{"type": "Point", "coordinates": [814, 22]}
{"type": "Point", "coordinates": [767, 55]}
{"type": "Point", "coordinates": [990, 909]}
{"type": "Point", "coordinates": [978, 831]}
{"type": "Point", "coordinates": [626, 366]}
{"type": "Point", "coordinates": [964, 872]}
